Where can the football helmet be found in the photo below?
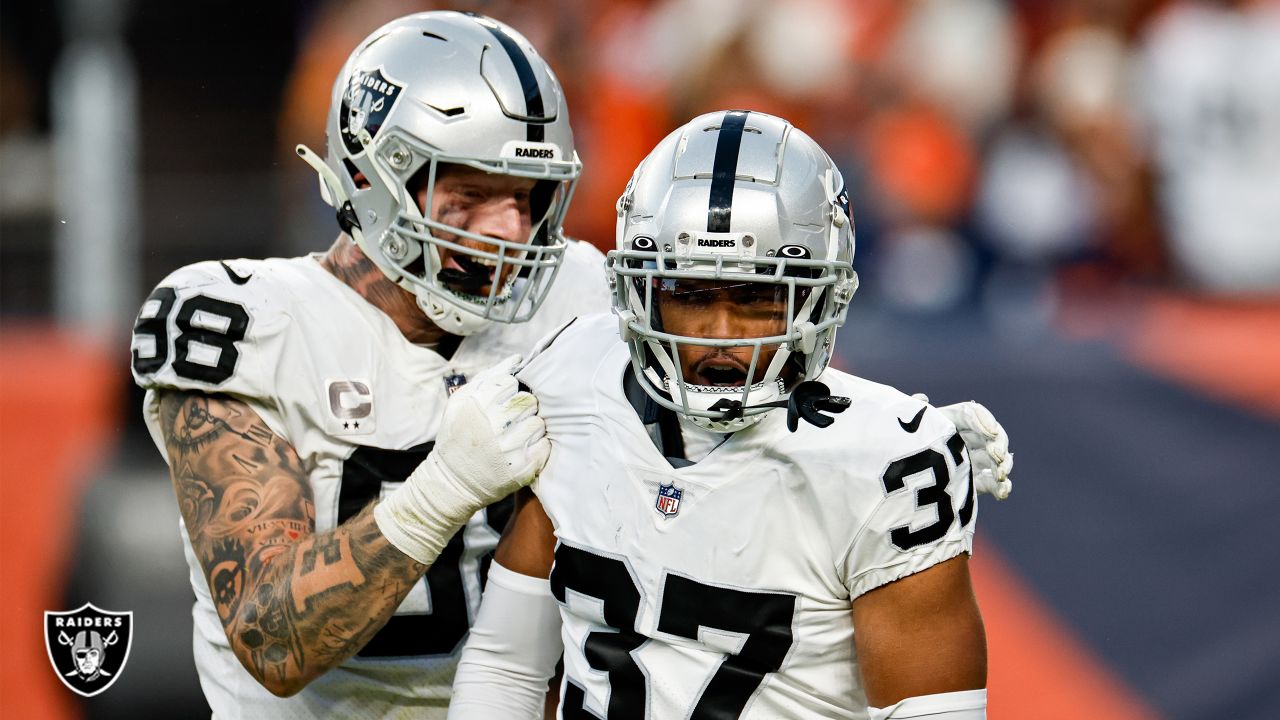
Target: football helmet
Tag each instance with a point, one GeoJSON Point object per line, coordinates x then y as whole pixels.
{"type": "Point", "coordinates": [742, 203]}
{"type": "Point", "coordinates": [449, 87]}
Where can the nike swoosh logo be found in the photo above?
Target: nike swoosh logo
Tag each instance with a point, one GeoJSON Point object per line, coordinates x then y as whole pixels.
{"type": "Point", "coordinates": [914, 424]}
{"type": "Point", "coordinates": [237, 279]}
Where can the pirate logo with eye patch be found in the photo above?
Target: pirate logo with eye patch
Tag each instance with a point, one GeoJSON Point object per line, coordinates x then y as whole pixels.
{"type": "Point", "coordinates": [367, 102]}
{"type": "Point", "coordinates": [88, 647]}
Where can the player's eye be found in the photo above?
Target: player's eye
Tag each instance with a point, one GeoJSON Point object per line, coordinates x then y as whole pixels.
{"type": "Point", "coordinates": [469, 194]}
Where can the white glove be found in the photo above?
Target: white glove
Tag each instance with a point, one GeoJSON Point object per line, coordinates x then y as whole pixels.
{"type": "Point", "coordinates": [987, 443]}
{"type": "Point", "coordinates": [491, 442]}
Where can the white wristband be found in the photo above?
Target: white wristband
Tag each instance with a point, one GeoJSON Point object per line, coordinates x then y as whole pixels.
{"type": "Point", "coordinates": [961, 705]}
{"type": "Point", "coordinates": [511, 652]}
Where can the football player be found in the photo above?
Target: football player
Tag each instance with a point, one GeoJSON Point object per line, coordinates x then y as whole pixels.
{"type": "Point", "coordinates": [288, 395]}
{"type": "Point", "coordinates": [726, 527]}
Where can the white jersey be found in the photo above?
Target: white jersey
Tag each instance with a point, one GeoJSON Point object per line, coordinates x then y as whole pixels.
{"type": "Point", "coordinates": [333, 376]}
{"type": "Point", "coordinates": [724, 588]}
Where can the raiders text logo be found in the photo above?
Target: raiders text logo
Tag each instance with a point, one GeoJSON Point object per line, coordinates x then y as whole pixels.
{"type": "Point", "coordinates": [88, 646]}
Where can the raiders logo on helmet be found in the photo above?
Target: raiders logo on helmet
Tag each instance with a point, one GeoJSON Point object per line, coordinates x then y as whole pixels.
{"type": "Point", "coordinates": [365, 106]}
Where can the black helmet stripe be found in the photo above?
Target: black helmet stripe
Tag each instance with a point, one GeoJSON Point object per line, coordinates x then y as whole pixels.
{"type": "Point", "coordinates": [724, 170]}
{"type": "Point", "coordinates": [528, 81]}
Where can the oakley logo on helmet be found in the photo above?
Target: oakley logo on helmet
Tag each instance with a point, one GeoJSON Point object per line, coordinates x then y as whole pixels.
{"type": "Point", "coordinates": [368, 100]}
{"type": "Point", "coordinates": [88, 647]}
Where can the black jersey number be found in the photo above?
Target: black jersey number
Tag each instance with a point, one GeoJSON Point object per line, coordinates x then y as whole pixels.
{"type": "Point", "coordinates": [935, 495]}
{"type": "Point", "coordinates": [213, 323]}
{"type": "Point", "coordinates": [440, 631]}
{"type": "Point", "coordinates": [765, 619]}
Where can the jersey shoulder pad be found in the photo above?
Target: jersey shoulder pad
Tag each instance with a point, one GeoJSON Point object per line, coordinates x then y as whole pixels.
{"type": "Point", "coordinates": [907, 485]}
{"type": "Point", "coordinates": [207, 326]}
{"type": "Point", "coordinates": [570, 352]}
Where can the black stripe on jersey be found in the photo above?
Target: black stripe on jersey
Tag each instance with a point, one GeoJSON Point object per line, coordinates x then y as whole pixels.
{"type": "Point", "coordinates": [528, 81]}
{"type": "Point", "coordinates": [724, 170]}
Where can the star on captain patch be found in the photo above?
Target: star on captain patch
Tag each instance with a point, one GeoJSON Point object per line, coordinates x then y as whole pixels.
{"type": "Point", "coordinates": [668, 502]}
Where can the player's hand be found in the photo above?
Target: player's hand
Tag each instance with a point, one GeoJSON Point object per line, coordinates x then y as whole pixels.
{"type": "Point", "coordinates": [491, 442]}
{"type": "Point", "coordinates": [491, 438]}
{"type": "Point", "coordinates": [988, 446]}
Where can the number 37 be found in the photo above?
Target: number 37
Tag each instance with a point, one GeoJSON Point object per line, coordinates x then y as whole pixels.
{"type": "Point", "coordinates": [687, 605]}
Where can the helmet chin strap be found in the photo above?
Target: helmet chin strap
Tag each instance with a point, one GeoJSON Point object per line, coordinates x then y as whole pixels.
{"type": "Point", "coordinates": [454, 321]}
{"type": "Point", "coordinates": [809, 400]}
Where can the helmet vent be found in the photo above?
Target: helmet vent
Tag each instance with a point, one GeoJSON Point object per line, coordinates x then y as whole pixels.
{"type": "Point", "coordinates": [433, 35]}
{"type": "Point", "coordinates": [746, 128]}
{"type": "Point", "coordinates": [447, 112]}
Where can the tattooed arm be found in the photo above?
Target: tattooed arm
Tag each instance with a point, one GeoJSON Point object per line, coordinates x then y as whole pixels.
{"type": "Point", "coordinates": [294, 603]}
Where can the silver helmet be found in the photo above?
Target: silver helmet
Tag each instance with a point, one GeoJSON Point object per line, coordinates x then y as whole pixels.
{"type": "Point", "coordinates": [746, 203]}
{"type": "Point", "coordinates": [448, 87]}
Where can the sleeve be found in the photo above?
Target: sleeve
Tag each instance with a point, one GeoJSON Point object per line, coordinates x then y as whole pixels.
{"type": "Point", "coordinates": [922, 510]}
{"type": "Point", "coordinates": [511, 653]}
{"type": "Point", "coordinates": [204, 327]}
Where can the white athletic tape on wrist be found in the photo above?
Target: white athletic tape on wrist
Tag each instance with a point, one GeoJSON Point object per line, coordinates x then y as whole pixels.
{"type": "Point", "coordinates": [490, 443]}
{"type": "Point", "coordinates": [422, 515]}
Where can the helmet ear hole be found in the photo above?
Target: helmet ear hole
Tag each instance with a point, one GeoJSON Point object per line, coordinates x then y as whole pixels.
{"type": "Point", "coordinates": [357, 178]}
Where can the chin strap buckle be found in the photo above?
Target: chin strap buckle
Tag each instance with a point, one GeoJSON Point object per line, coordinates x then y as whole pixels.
{"type": "Point", "coordinates": [732, 409]}
{"type": "Point", "coordinates": [347, 217]}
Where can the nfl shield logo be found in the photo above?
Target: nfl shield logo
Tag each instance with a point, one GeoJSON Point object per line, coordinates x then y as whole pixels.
{"type": "Point", "coordinates": [668, 499]}
{"type": "Point", "coordinates": [453, 382]}
{"type": "Point", "coordinates": [88, 646]}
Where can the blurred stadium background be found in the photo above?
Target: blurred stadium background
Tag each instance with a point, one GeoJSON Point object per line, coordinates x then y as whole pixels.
{"type": "Point", "coordinates": [1068, 209]}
